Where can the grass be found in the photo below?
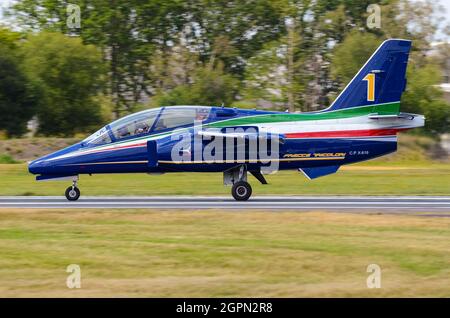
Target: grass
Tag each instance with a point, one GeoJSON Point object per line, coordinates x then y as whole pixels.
{"type": "Point", "coordinates": [221, 254]}
{"type": "Point", "coordinates": [7, 159]}
{"type": "Point", "coordinates": [25, 149]}
{"type": "Point", "coordinates": [361, 179]}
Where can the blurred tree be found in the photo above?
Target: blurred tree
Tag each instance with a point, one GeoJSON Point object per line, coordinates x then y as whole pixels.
{"type": "Point", "coordinates": [265, 74]}
{"type": "Point", "coordinates": [68, 76]}
{"type": "Point", "coordinates": [9, 39]}
{"type": "Point", "coordinates": [275, 74]}
{"type": "Point", "coordinates": [423, 97]}
{"type": "Point", "coordinates": [175, 67]}
{"type": "Point", "coordinates": [131, 32]}
{"type": "Point", "coordinates": [127, 31]}
{"type": "Point", "coordinates": [209, 87]}
{"type": "Point", "coordinates": [232, 30]}
{"type": "Point", "coordinates": [17, 100]}
{"type": "Point", "coordinates": [277, 71]}
{"type": "Point", "coordinates": [351, 54]}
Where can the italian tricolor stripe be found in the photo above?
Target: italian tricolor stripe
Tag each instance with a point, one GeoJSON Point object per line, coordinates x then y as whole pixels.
{"type": "Point", "coordinates": [344, 133]}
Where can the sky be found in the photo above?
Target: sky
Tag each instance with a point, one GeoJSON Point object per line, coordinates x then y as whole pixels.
{"type": "Point", "coordinates": [6, 3]}
{"type": "Point", "coordinates": [445, 3]}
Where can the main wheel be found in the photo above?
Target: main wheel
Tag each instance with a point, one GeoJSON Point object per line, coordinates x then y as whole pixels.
{"type": "Point", "coordinates": [72, 193]}
{"type": "Point", "coordinates": [241, 191]}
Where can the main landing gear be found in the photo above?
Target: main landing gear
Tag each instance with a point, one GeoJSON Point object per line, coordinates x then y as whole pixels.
{"type": "Point", "coordinates": [73, 193]}
{"type": "Point", "coordinates": [241, 191]}
{"type": "Point", "coordinates": [237, 178]}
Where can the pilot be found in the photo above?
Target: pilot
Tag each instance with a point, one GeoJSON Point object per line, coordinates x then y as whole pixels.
{"type": "Point", "coordinates": [201, 115]}
{"type": "Point", "coordinates": [141, 128]}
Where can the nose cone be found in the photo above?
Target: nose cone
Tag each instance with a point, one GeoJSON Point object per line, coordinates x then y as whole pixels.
{"type": "Point", "coordinates": [51, 164]}
{"type": "Point", "coordinates": [36, 166]}
{"type": "Point", "coordinates": [41, 166]}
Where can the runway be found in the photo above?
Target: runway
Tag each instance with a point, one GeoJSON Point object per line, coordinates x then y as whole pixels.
{"type": "Point", "coordinates": [391, 204]}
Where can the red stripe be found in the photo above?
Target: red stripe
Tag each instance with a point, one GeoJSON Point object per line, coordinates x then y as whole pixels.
{"type": "Point", "coordinates": [131, 146]}
{"type": "Point", "coordinates": [345, 133]}
{"type": "Point", "coordinates": [115, 148]}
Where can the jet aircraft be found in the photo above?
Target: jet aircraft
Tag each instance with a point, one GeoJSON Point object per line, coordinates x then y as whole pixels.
{"type": "Point", "coordinates": [362, 123]}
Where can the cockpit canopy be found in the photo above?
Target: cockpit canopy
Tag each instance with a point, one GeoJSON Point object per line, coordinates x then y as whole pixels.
{"type": "Point", "coordinates": [148, 121]}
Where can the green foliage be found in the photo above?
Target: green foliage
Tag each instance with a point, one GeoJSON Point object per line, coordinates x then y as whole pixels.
{"type": "Point", "coordinates": [7, 159]}
{"type": "Point", "coordinates": [130, 33]}
{"type": "Point", "coordinates": [263, 77]}
{"type": "Point", "coordinates": [423, 97]}
{"type": "Point", "coordinates": [68, 76]}
{"type": "Point", "coordinates": [9, 38]}
{"type": "Point", "coordinates": [437, 115]}
{"type": "Point", "coordinates": [351, 54]}
{"type": "Point", "coordinates": [210, 87]}
{"type": "Point", "coordinates": [17, 102]}
{"type": "Point", "coordinates": [225, 24]}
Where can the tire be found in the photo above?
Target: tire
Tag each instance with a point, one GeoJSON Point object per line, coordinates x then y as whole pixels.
{"type": "Point", "coordinates": [72, 193]}
{"type": "Point", "coordinates": [241, 191]}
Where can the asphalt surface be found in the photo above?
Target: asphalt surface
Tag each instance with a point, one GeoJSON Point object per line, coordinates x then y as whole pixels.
{"type": "Point", "coordinates": [436, 205]}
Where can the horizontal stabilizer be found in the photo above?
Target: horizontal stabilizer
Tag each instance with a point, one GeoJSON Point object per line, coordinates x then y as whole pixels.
{"type": "Point", "coordinates": [313, 173]}
{"type": "Point", "coordinates": [399, 116]}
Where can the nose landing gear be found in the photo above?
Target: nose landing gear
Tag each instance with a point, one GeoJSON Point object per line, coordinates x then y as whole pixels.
{"type": "Point", "coordinates": [73, 193]}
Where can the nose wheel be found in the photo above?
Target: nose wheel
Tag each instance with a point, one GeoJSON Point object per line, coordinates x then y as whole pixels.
{"type": "Point", "coordinates": [73, 193]}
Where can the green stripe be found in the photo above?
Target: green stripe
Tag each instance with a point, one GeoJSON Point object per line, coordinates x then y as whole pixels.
{"type": "Point", "coordinates": [382, 109]}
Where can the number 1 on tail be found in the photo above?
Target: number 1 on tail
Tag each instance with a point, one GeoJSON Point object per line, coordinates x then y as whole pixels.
{"type": "Point", "coordinates": [370, 78]}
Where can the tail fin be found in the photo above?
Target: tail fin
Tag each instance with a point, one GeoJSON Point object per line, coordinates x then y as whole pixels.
{"type": "Point", "coordinates": [381, 80]}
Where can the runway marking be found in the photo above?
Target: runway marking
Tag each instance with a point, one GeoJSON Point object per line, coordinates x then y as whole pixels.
{"type": "Point", "coordinates": [391, 204]}
{"type": "Point", "coordinates": [223, 202]}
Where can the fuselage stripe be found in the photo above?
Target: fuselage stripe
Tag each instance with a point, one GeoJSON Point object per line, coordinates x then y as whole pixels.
{"type": "Point", "coordinates": [248, 161]}
{"type": "Point", "coordinates": [206, 161]}
{"type": "Point", "coordinates": [345, 133]}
